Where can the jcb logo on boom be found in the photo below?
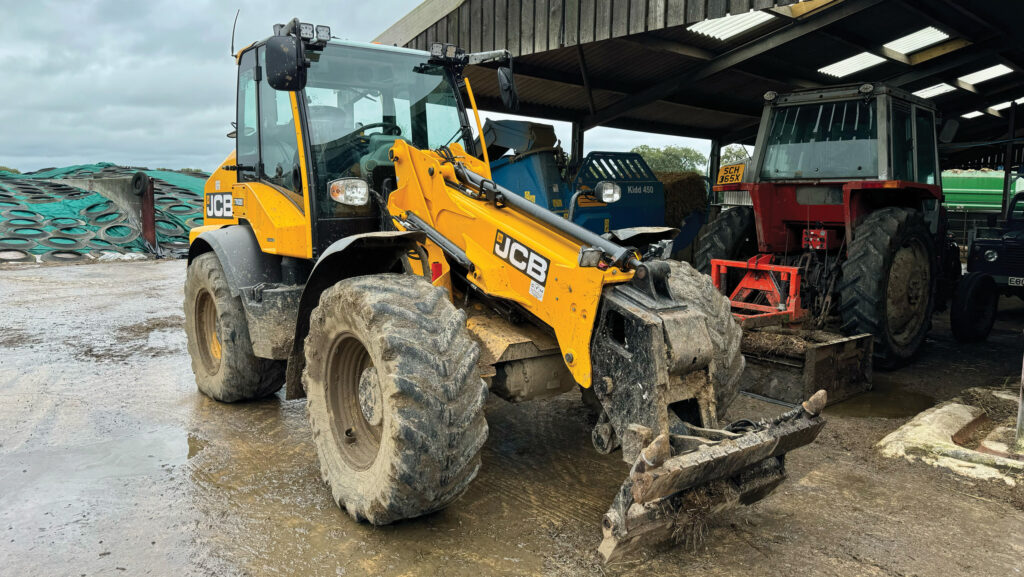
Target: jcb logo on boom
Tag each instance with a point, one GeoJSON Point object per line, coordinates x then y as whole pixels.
{"type": "Point", "coordinates": [219, 205]}
{"type": "Point", "coordinates": [518, 255]}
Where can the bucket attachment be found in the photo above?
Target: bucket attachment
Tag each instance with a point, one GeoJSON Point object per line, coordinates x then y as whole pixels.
{"type": "Point", "coordinates": [677, 481]}
{"type": "Point", "coordinates": [767, 294]}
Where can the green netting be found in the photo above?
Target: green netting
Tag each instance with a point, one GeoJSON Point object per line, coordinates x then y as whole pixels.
{"type": "Point", "coordinates": [41, 215]}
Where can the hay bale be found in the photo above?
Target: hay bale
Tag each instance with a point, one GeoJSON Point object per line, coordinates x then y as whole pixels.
{"type": "Point", "coordinates": [685, 193]}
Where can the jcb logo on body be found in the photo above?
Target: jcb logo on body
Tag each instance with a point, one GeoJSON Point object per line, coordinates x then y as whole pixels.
{"type": "Point", "coordinates": [518, 255]}
{"type": "Point", "coordinates": [219, 205]}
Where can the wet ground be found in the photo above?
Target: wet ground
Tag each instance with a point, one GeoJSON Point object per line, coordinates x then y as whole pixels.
{"type": "Point", "coordinates": [112, 464]}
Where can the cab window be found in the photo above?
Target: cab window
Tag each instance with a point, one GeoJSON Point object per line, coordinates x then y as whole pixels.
{"type": "Point", "coordinates": [247, 138]}
{"type": "Point", "coordinates": [279, 145]}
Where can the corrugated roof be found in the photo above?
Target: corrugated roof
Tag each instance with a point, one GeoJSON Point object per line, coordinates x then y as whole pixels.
{"type": "Point", "coordinates": [733, 25]}
{"type": "Point", "coordinates": [917, 40]}
{"type": "Point", "coordinates": [936, 90]}
{"type": "Point", "coordinates": [855, 63]}
{"type": "Point", "coordinates": [986, 74]}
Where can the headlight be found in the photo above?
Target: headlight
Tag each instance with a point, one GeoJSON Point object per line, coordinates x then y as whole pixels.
{"type": "Point", "coordinates": [991, 255]}
{"type": "Point", "coordinates": [350, 191]}
{"type": "Point", "coordinates": [608, 192]}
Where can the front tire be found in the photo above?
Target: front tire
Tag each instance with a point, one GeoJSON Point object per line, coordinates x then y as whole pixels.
{"type": "Point", "coordinates": [888, 283]}
{"type": "Point", "coordinates": [731, 236]}
{"type": "Point", "coordinates": [975, 303]}
{"type": "Point", "coordinates": [689, 286]}
{"type": "Point", "coordinates": [217, 331]}
{"type": "Point", "coordinates": [394, 396]}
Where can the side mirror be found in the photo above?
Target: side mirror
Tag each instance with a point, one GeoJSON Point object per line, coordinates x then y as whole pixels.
{"type": "Point", "coordinates": [286, 70]}
{"type": "Point", "coordinates": [948, 132]}
{"type": "Point", "coordinates": [507, 87]}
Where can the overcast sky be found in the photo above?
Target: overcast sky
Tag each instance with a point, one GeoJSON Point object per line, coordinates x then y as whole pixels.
{"type": "Point", "coordinates": [151, 82]}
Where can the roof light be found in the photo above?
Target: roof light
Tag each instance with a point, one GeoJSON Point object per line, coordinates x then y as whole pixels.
{"type": "Point", "coordinates": [852, 64]}
{"type": "Point", "coordinates": [986, 74]}
{"type": "Point", "coordinates": [323, 33]}
{"type": "Point", "coordinates": [973, 114]}
{"type": "Point", "coordinates": [923, 38]}
{"type": "Point", "coordinates": [1001, 105]}
{"type": "Point", "coordinates": [933, 91]}
{"type": "Point", "coordinates": [729, 26]}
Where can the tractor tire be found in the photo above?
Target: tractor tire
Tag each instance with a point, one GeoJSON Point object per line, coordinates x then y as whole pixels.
{"type": "Point", "coordinates": [689, 286]}
{"type": "Point", "coordinates": [975, 304]}
{"type": "Point", "coordinates": [217, 331]}
{"type": "Point", "coordinates": [888, 284]}
{"type": "Point", "coordinates": [394, 397]}
{"type": "Point", "coordinates": [730, 236]}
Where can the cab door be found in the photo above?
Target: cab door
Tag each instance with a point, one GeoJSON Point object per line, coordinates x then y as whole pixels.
{"type": "Point", "coordinates": [272, 189]}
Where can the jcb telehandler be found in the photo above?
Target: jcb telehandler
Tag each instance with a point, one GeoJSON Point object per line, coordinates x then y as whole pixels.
{"type": "Point", "coordinates": [355, 252]}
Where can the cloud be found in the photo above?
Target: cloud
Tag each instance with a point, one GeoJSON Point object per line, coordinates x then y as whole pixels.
{"type": "Point", "coordinates": [153, 83]}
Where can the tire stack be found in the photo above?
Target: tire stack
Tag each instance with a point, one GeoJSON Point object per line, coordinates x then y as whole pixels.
{"type": "Point", "coordinates": [45, 220]}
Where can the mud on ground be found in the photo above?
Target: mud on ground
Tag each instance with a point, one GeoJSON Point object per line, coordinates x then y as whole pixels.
{"type": "Point", "coordinates": [111, 463]}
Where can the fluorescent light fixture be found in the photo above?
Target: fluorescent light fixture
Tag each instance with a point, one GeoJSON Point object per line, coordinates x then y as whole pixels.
{"type": "Point", "coordinates": [973, 114]}
{"type": "Point", "coordinates": [1020, 100]}
{"type": "Point", "coordinates": [852, 64]}
{"type": "Point", "coordinates": [986, 74]}
{"type": "Point", "coordinates": [933, 91]}
{"type": "Point", "coordinates": [1001, 105]}
{"type": "Point", "coordinates": [916, 41]}
{"type": "Point", "coordinates": [729, 26]}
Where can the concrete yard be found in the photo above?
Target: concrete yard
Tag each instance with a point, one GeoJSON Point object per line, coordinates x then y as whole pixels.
{"type": "Point", "coordinates": [111, 463]}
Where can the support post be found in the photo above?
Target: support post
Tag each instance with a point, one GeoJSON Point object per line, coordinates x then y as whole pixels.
{"type": "Point", "coordinates": [1008, 159]}
{"type": "Point", "coordinates": [1019, 440]}
{"type": "Point", "coordinates": [576, 151]}
{"type": "Point", "coordinates": [714, 161]}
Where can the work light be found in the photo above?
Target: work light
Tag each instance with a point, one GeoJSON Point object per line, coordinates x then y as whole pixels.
{"type": "Point", "coordinates": [607, 191]}
{"type": "Point", "coordinates": [323, 33]}
{"type": "Point", "coordinates": [306, 31]}
{"type": "Point", "coordinates": [350, 191]}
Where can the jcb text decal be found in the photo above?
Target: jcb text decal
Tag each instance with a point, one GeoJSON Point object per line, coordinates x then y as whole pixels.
{"type": "Point", "coordinates": [219, 205]}
{"type": "Point", "coordinates": [518, 255]}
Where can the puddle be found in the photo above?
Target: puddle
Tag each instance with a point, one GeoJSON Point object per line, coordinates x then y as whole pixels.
{"type": "Point", "coordinates": [884, 401]}
{"type": "Point", "coordinates": [195, 445]}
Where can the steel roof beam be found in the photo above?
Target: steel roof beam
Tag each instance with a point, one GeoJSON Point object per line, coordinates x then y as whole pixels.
{"type": "Point", "coordinates": [828, 15]}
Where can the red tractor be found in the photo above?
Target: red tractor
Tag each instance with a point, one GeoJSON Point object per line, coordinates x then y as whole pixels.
{"type": "Point", "coordinates": [840, 210]}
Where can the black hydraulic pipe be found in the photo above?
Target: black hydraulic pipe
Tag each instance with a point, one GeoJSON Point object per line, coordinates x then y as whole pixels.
{"type": "Point", "coordinates": [440, 240]}
{"type": "Point", "coordinates": [622, 256]}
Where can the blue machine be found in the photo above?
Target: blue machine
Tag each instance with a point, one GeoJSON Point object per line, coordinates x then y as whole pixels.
{"type": "Point", "coordinates": [537, 169]}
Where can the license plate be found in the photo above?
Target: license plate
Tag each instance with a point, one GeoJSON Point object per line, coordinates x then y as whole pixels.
{"type": "Point", "coordinates": [1016, 281]}
{"type": "Point", "coordinates": [730, 174]}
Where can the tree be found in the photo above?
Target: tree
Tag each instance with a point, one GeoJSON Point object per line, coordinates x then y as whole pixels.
{"type": "Point", "coordinates": [734, 154]}
{"type": "Point", "coordinates": [673, 158]}
{"type": "Point", "coordinates": [11, 170]}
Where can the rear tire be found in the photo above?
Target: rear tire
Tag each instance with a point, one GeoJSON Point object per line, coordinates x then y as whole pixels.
{"type": "Point", "coordinates": [689, 286]}
{"type": "Point", "coordinates": [975, 304]}
{"type": "Point", "coordinates": [394, 396]}
{"type": "Point", "coordinates": [217, 331]}
{"type": "Point", "coordinates": [730, 236]}
{"type": "Point", "coordinates": [888, 283]}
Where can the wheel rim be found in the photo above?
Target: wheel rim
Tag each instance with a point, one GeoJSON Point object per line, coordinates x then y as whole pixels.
{"type": "Point", "coordinates": [908, 292]}
{"type": "Point", "coordinates": [355, 402]}
{"type": "Point", "coordinates": [208, 332]}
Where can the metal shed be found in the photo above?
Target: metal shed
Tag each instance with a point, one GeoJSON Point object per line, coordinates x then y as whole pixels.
{"type": "Point", "coordinates": [699, 68]}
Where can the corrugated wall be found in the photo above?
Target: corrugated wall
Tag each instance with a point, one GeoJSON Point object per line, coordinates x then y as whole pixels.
{"type": "Point", "coordinates": [528, 26]}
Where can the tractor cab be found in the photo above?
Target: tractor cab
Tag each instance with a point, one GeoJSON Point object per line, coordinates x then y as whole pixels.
{"type": "Point", "coordinates": [816, 148]}
{"type": "Point", "coordinates": [316, 119]}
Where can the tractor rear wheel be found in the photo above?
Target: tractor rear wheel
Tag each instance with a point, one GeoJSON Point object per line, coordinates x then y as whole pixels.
{"type": "Point", "coordinates": [730, 236]}
{"type": "Point", "coordinates": [975, 303]}
{"type": "Point", "coordinates": [888, 283]}
{"type": "Point", "coordinates": [695, 289]}
{"type": "Point", "coordinates": [217, 332]}
{"type": "Point", "coordinates": [394, 396]}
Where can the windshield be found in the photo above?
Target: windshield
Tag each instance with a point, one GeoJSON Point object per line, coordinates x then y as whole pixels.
{"type": "Point", "coordinates": [826, 140]}
{"type": "Point", "coordinates": [361, 99]}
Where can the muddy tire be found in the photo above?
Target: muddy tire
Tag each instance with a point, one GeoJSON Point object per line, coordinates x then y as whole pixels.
{"type": "Point", "coordinates": [731, 236]}
{"type": "Point", "coordinates": [888, 282]}
{"type": "Point", "coordinates": [218, 338]}
{"type": "Point", "coordinates": [975, 304]}
{"type": "Point", "coordinates": [394, 395]}
{"type": "Point", "coordinates": [695, 289]}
